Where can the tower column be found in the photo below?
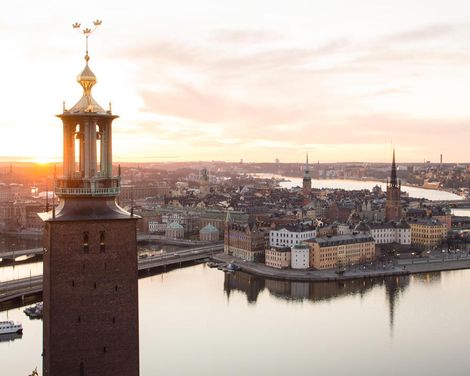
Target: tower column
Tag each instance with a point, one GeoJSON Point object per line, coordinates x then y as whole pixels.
{"type": "Point", "coordinates": [81, 144]}
{"type": "Point", "coordinates": [109, 150]}
{"type": "Point", "coordinates": [90, 148]}
{"type": "Point", "coordinates": [69, 150]}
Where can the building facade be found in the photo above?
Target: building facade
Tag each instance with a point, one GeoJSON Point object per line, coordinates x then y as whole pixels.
{"type": "Point", "coordinates": [290, 235]}
{"type": "Point", "coordinates": [279, 258]}
{"type": "Point", "coordinates": [244, 241]}
{"type": "Point", "coordinates": [300, 256]}
{"type": "Point", "coordinates": [341, 250]}
{"type": "Point", "coordinates": [91, 321]}
{"type": "Point", "coordinates": [209, 233]}
{"type": "Point", "coordinates": [174, 231]}
{"type": "Point", "coordinates": [427, 233]}
{"type": "Point", "coordinates": [387, 233]}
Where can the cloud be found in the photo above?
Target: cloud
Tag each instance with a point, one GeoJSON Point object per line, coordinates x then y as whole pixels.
{"type": "Point", "coordinates": [267, 94]}
{"type": "Point", "coordinates": [245, 36]}
{"type": "Point", "coordinates": [428, 32]}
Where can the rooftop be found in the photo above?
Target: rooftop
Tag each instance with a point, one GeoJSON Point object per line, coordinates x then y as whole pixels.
{"type": "Point", "coordinates": [342, 239]}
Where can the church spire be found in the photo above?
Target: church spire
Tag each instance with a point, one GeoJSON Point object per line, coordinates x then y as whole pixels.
{"type": "Point", "coordinates": [307, 180]}
{"type": "Point", "coordinates": [393, 179]}
{"type": "Point", "coordinates": [307, 168]}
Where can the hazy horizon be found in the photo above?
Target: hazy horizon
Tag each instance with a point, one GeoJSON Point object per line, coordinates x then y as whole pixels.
{"type": "Point", "coordinates": [256, 80]}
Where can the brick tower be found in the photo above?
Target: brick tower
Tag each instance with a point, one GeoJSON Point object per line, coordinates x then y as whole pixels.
{"type": "Point", "coordinates": [90, 258]}
{"type": "Point", "coordinates": [393, 203]}
{"type": "Point", "coordinates": [307, 179]}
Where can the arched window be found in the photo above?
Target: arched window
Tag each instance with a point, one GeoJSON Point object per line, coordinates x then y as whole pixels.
{"type": "Point", "coordinates": [86, 246]}
{"type": "Point", "coordinates": [102, 246]}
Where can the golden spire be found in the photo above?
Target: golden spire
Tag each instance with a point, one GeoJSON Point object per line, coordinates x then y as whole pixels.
{"type": "Point", "coordinates": [87, 32]}
{"type": "Point", "coordinates": [87, 78]}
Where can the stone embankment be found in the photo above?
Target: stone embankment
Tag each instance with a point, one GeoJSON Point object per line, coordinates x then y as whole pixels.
{"type": "Point", "coordinates": [425, 266]}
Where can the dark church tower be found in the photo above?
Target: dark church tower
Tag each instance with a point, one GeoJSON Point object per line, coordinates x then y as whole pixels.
{"type": "Point", "coordinates": [393, 204]}
{"type": "Point", "coordinates": [90, 258]}
{"type": "Point", "coordinates": [307, 180]}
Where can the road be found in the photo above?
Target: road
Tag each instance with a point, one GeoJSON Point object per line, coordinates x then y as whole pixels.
{"type": "Point", "coordinates": [32, 285]}
{"type": "Point", "coordinates": [11, 255]}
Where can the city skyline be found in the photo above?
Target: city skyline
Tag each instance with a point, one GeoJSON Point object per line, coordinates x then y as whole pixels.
{"type": "Point", "coordinates": [256, 81]}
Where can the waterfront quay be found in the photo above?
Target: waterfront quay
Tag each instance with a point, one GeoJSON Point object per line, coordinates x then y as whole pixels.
{"type": "Point", "coordinates": [375, 270]}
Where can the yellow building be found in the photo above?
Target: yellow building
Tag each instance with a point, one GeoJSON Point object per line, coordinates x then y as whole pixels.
{"type": "Point", "coordinates": [337, 251]}
{"type": "Point", "coordinates": [427, 233]}
{"type": "Point", "coordinates": [279, 258]}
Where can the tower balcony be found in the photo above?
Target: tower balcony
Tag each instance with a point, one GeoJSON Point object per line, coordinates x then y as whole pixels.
{"type": "Point", "coordinates": [96, 186]}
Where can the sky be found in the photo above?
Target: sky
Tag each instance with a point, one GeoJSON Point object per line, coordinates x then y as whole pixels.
{"type": "Point", "coordinates": [209, 80]}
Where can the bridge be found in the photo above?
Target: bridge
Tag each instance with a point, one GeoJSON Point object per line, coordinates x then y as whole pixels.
{"type": "Point", "coordinates": [20, 288]}
{"type": "Point", "coordinates": [11, 255]}
{"type": "Point", "coordinates": [164, 240]}
{"type": "Point", "coordinates": [463, 204]}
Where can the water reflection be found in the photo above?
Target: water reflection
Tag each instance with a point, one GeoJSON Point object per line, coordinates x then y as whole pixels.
{"type": "Point", "coordinates": [10, 337]}
{"type": "Point", "coordinates": [16, 243]}
{"type": "Point", "coordinates": [252, 286]}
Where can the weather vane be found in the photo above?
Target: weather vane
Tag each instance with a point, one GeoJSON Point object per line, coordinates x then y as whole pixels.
{"type": "Point", "coordinates": [87, 32]}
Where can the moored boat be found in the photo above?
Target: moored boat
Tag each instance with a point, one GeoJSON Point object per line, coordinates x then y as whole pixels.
{"type": "Point", "coordinates": [34, 312]}
{"type": "Point", "coordinates": [7, 327]}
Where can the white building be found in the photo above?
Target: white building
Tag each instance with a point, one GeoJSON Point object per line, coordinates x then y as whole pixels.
{"type": "Point", "coordinates": [300, 256]}
{"type": "Point", "coordinates": [290, 235]}
{"type": "Point", "coordinates": [387, 233]}
{"type": "Point", "coordinates": [344, 229]}
{"type": "Point", "coordinates": [155, 226]}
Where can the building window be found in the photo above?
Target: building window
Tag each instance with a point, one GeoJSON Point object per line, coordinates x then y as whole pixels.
{"type": "Point", "coordinates": [86, 246]}
{"type": "Point", "coordinates": [102, 246]}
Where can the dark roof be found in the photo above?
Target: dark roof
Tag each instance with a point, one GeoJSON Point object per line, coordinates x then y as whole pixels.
{"type": "Point", "coordinates": [362, 226]}
{"type": "Point", "coordinates": [342, 239]}
{"type": "Point", "coordinates": [295, 227]}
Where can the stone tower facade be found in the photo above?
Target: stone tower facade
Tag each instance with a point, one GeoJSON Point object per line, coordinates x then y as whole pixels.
{"type": "Point", "coordinates": [90, 254]}
{"type": "Point", "coordinates": [393, 203]}
{"type": "Point", "coordinates": [307, 179]}
{"type": "Point", "coordinates": [204, 182]}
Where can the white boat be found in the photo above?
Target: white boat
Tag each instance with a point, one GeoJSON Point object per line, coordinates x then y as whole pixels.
{"type": "Point", "coordinates": [7, 327]}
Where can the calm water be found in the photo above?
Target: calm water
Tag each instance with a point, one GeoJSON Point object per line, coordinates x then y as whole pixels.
{"type": "Point", "coordinates": [430, 194]}
{"type": "Point", "coordinates": [12, 242]}
{"type": "Point", "coordinates": [200, 321]}
{"type": "Point", "coordinates": [461, 212]}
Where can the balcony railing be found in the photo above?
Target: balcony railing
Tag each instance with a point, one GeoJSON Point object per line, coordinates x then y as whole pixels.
{"type": "Point", "coordinates": [113, 191]}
